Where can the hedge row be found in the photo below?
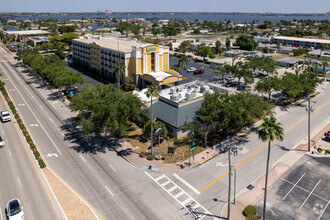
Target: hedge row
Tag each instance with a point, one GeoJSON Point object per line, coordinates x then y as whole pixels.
{"type": "Point", "coordinates": [22, 126]}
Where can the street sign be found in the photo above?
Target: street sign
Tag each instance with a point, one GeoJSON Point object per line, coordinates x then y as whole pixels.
{"type": "Point", "coordinates": [158, 132]}
{"type": "Point", "coordinates": [192, 148]}
{"type": "Point", "coordinates": [171, 144]}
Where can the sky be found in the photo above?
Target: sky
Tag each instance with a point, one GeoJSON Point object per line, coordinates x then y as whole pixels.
{"type": "Point", "coordinates": [277, 6]}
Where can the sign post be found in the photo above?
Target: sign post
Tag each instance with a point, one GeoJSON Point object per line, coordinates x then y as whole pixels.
{"type": "Point", "coordinates": [191, 147]}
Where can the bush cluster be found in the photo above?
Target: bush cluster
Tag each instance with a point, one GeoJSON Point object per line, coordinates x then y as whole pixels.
{"type": "Point", "coordinates": [250, 210]}
{"type": "Point", "coordinates": [22, 127]}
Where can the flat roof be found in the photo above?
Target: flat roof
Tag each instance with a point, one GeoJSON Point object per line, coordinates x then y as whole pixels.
{"type": "Point", "coordinates": [321, 41]}
{"type": "Point", "coordinates": [28, 32]}
{"type": "Point", "coordinates": [289, 60]}
{"type": "Point", "coordinates": [113, 43]}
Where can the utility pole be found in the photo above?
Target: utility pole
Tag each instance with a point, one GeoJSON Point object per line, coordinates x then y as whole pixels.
{"type": "Point", "coordinates": [309, 109]}
{"type": "Point", "coordinates": [229, 179]}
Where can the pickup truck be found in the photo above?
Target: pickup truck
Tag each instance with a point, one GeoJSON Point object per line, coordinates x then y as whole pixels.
{"type": "Point", "coordinates": [198, 72]}
{"type": "Point", "coordinates": [5, 116]}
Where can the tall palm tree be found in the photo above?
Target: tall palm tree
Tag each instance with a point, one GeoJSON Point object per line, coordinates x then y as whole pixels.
{"type": "Point", "coordinates": [119, 70]}
{"type": "Point", "coordinates": [269, 130]}
{"type": "Point", "coordinates": [183, 60]}
{"type": "Point", "coordinates": [152, 92]}
{"type": "Point", "coordinates": [325, 64]}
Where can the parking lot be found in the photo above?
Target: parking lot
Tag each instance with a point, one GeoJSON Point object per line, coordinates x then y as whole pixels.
{"type": "Point", "coordinates": [302, 193]}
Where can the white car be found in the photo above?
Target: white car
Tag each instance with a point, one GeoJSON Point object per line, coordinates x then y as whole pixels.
{"type": "Point", "coordinates": [15, 210]}
{"type": "Point", "coordinates": [5, 116]}
{"type": "Point", "coordinates": [229, 77]}
{"type": "Point", "coordinates": [2, 143]}
{"type": "Point", "coordinates": [191, 69]}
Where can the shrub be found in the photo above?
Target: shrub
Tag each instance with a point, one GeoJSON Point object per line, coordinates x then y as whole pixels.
{"type": "Point", "coordinates": [328, 151]}
{"type": "Point", "coordinates": [42, 164]}
{"type": "Point", "coordinates": [28, 139]}
{"type": "Point", "coordinates": [32, 147]}
{"type": "Point", "coordinates": [150, 157]}
{"type": "Point", "coordinates": [16, 116]}
{"type": "Point", "coordinates": [320, 150]}
{"type": "Point", "coordinates": [36, 155]}
{"type": "Point", "coordinates": [141, 154]}
{"type": "Point", "coordinates": [163, 157]}
{"type": "Point", "coordinates": [252, 217]}
{"type": "Point", "coordinates": [250, 210]}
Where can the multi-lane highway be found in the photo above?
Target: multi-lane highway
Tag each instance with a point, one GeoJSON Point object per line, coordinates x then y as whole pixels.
{"type": "Point", "coordinates": [117, 190]}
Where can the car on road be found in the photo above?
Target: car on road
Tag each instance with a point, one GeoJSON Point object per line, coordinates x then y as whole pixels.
{"type": "Point", "coordinates": [200, 71]}
{"type": "Point", "coordinates": [15, 210]}
{"type": "Point", "coordinates": [327, 136]}
{"type": "Point", "coordinates": [229, 77]}
{"type": "Point", "coordinates": [240, 87]}
{"type": "Point", "coordinates": [5, 116]}
{"type": "Point", "coordinates": [191, 69]}
{"type": "Point", "coordinates": [2, 142]}
{"type": "Point", "coordinates": [327, 79]}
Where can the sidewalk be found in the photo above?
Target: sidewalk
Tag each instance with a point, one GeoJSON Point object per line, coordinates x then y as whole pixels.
{"type": "Point", "coordinates": [247, 197]}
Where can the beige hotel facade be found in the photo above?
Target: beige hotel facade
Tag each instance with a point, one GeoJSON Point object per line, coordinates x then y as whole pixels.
{"type": "Point", "coordinates": [145, 63]}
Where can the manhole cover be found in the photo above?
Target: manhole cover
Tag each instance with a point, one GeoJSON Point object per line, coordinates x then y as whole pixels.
{"type": "Point", "coordinates": [250, 187]}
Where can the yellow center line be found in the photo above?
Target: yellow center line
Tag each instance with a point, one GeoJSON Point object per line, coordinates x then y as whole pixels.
{"type": "Point", "coordinates": [33, 162]}
{"type": "Point", "coordinates": [252, 155]}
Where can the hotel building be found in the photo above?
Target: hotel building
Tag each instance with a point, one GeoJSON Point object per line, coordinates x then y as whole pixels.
{"type": "Point", "coordinates": [145, 63]}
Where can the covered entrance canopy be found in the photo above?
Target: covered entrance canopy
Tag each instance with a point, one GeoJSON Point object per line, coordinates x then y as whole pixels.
{"type": "Point", "coordinates": [162, 77]}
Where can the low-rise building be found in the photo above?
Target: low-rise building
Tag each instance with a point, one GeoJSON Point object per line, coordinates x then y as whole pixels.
{"type": "Point", "coordinates": [230, 53]}
{"type": "Point", "coordinates": [319, 54]}
{"type": "Point", "coordinates": [301, 42]}
{"type": "Point", "coordinates": [145, 63]}
{"type": "Point", "coordinates": [289, 62]}
{"type": "Point", "coordinates": [20, 35]}
{"type": "Point", "coordinates": [38, 40]}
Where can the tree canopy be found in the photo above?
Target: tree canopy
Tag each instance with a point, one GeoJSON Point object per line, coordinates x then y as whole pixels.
{"type": "Point", "coordinates": [246, 42]}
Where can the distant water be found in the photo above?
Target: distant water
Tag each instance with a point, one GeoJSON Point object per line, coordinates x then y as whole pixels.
{"type": "Point", "coordinates": [10, 28]}
{"type": "Point", "coordinates": [191, 17]}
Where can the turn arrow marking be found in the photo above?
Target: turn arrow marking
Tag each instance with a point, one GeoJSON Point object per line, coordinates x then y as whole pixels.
{"type": "Point", "coordinates": [50, 155]}
{"type": "Point", "coordinates": [220, 164]}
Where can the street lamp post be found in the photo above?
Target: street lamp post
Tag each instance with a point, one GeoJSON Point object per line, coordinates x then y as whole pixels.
{"type": "Point", "coordinates": [309, 109]}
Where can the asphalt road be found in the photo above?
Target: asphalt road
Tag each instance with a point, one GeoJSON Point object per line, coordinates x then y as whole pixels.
{"type": "Point", "coordinates": [119, 191]}
{"type": "Point", "coordinates": [21, 177]}
{"type": "Point", "coordinates": [105, 181]}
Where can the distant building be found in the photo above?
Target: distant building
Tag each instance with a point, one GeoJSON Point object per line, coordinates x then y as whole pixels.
{"type": "Point", "coordinates": [38, 40]}
{"type": "Point", "coordinates": [145, 63]}
{"type": "Point", "coordinates": [20, 35]}
{"type": "Point", "coordinates": [288, 62]}
{"type": "Point", "coordinates": [108, 11]}
{"type": "Point", "coordinates": [231, 53]}
{"type": "Point", "coordinates": [318, 54]}
{"type": "Point", "coordinates": [301, 42]}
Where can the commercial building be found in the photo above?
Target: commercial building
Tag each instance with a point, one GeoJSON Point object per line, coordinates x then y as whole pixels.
{"type": "Point", "coordinates": [20, 35]}
{"type": "Point", "coordinates": [289, 62]}
{"type": "Point", "coordinates": [145, 63]}
{"type": "Point", "coordinates": [178, 105]}
{"type": "Point", "coordinates": [318, 54]}
{"type": "Point", "coordinates": [301, 42]}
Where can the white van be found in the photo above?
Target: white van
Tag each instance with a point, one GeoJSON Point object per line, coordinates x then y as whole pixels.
{"type": "Point", "coordinates": [5, 116]}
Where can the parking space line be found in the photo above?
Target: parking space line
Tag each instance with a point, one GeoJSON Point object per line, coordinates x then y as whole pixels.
{"type": "Point", "coordinates": [293, 186]}
{"type": "Point", "coordinates": [186, 183]}
{"type": "Point", "coordinates": [323, 210]}
{"type": "Point", "coordinates": [82, 158]}
{"type": "Point", "coordinates": [113, 168]}
{"type": "Point", "coordinates": [9, 152]}
{"type": "Point", "coordinates": [310, 194]}
{"type": "Point", "coordinates": [19, 181]}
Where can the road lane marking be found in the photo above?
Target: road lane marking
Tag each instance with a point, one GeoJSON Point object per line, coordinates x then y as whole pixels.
{"type": "Point", "coordinates": [186, 183]}
{"type": "Point", "coordinates": [51, 120]}
{"type": "Point", "coordinates": [36, 118]}
{"type": "Point", "coordinates": [109, 190]}
{"type": "Point", "coordinates": [19, 181]}
{"type": "Point", "coordinates": [113, 168]}
{"type": "Point", "coordinates": [41, 107]}
{"type": "Point", "coordinates": [249, 157]}
{"type": "Point", "coordinates": [293, 186]}
{"type": "Point", "coordinates": [9, 152]}
{"type": "Point", "coordinates": [323, 210]}
{"type": "Point", "coordinates": [35, 168]}
{"type": "Point", "coordinates": [82, 158]}
{"type": "Point", "coordinates": [310, 194]}
{"type": "Point", "coordinates": [1, 214]}
{"type": "Point", "coordinates": [3, 133]}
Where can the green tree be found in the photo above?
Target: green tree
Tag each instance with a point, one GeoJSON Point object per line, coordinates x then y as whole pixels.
{"type": "Point", "coordinates": [152, 91]}
{"type": "Point", "coordinates": [217, 47]}
{"type": "Point", "coordinates": [269, 130]}
{"type": "Point", "coordinates": [325, 64]}
{"type": "Point", "coordinates": [246, 42]}
{"type": "Point", "coordinates": [242, 70]}
{"type": "Point", "coordinates": [183, 60]}
{"type": "Point", "coordinates": [184, 46]}
{"type": "Point", "coordinates": [268, 85]}
{"type": "Point", "coordinates": [227, 43]}
{"type": "Point", "coordinates": [119, 71]}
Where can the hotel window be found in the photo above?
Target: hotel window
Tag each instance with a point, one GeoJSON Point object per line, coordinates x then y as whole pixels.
{"type": "Point", "coordinates": [153, 62]}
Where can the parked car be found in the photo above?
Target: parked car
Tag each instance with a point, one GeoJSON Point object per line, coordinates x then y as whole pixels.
{"type": "Point", "coordinates": [191, 56]}
{"type": "Point", "coordinates": [5, 116]}
{"type": "Point", "coordinates": [229, 77]}
{"type": "Point", "coordinates": [2, 143]}
{"type": "Point", "coordinates": [327, 79]}
{"type": "Point", "coordinates": [196, 54]}
{"type": "Point", "coordinates": [240, 87]}
{"type": "Point", "coordinates": [191, 69]}
{"type": "Point", "coordinates": [200, 71]}
{"type": "Point", "coordinates": [15, 210]}
{"type": "Point", "coordinates": [255, 74]}
{"type": "Point", "coordinates": [231, 84]}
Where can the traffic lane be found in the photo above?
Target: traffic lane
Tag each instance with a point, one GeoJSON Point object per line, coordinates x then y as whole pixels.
{"type": "Point", "coordinates": [20, 178]}
{"type": "Point", "coordinates": [64, 166]}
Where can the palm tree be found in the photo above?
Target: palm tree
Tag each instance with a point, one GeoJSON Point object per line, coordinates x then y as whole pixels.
{"type": "Point", "coordinates": [119, 70]}
{"type": "Point", "coordinates": [152, 92]}
{"type": "Point", "coordinates": [269, 130]}
{"type": "Point", "coordinates": [183, 60]}
{"type": "Point", "coordinates": [325, 64]}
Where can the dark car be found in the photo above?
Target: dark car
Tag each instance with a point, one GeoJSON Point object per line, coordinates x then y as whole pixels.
{"type": "Point", "coordinates": [240, 87]}
{"type": "Point", "coordinates": [327, 136]}
{"type": "Point", "coordinates": [231, 84]}
{"type": "Point", "coordinates": [198, 72]}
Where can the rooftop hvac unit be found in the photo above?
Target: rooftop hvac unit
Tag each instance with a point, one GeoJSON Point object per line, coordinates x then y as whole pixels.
{"type": "Point", "coordinates": [203, 89]}
{"type": "Point", "coordinates": [175, 97]}
{"type": "Point", "coordinates": [173, 90]}
{"type": "Point", "coordinates": [190, 95]}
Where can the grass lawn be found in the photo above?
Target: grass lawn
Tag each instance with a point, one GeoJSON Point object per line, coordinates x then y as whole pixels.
{"type": "Point", "coordinates": [141, 146]}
